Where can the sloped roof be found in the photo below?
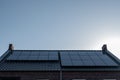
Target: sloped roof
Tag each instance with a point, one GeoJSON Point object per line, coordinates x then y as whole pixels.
{"type": "Point", "coordinates": [56, 60]}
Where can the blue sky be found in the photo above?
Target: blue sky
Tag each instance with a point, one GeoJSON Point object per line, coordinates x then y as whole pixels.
{"type": "Point", "coordinates": [60, 24]}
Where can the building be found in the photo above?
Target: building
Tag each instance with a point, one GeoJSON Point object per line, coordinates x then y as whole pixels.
{"type": "Point", "coordinates": [59, 65]}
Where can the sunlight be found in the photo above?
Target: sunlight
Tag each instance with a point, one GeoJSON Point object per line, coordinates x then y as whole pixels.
{"type": "Point", "coordinates": [113, 44]}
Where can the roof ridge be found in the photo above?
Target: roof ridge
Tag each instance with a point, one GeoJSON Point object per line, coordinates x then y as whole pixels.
{"type": "Point", "coordinates": [57, 50]}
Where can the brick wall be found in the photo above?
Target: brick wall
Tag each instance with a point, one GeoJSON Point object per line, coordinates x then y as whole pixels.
{"type": "Point", "coordinates": [91, 75]}
{"type": "Point", "coordinates": [32, 75]}
{"type": "Point", "coordinates": [65, 75]}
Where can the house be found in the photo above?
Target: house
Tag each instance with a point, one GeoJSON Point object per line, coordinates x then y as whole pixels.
{"type": "Point", "coordinates": [59, 65]}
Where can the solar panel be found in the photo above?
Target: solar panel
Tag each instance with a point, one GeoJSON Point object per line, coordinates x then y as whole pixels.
{"type": "Point", "coordinates": [83, 53]}
{"type": "Point", "coordinates": [92, 53]}
{"type": "Point", "coordinates": [85, 58]}
{"type": "Point", "coordinates": [12, 57]}
{"type": "Point", "coordinates": [107, 60]}
{"type": "Point", "coordinates": [67, 63]}
{"type": "Point", "coordinates": [34, 55]}
{"type": "Point", "coordinates": [53, 58]}
{"type": "Point", "coordinates": [96, 58]}
{"type": "Point", "coordinates": [43, 58]}
{"type": "Point", "coordinates": [16, 53]}
{"type": "Point", "coordinates": [77, 63]}
{"type": "Point", "coordinates": [88, 63]}
{"type": "Point", "coordinates": [23, 58]}
{"type": "Point", "coordinates": [68, 58]}
{"type": "Point", "coordinates": [53, 55]}
{"type": "Point", "coordinates": [44, 53]}
{"type": "Point", "coordinates": [25, 53]}
{"type": "Point", "coordinates": [75, 57]}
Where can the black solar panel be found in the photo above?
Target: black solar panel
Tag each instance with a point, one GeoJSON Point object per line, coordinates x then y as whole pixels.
{"type": "Point", "coordinates": [68, 58]}
{"type": "Point", "coordinates": [33, 55]}
{"type": "Point", "coordinates": [22, 58]}
{"type": "Point", "coordinates": [85, 58]}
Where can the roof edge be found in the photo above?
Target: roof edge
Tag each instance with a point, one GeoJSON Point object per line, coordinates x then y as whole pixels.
{"type": "Point", "coordinates": [4, 55]}
{"type": "Point", "coordinates": [57, 50]}
{"type": "Point", "coordinates": [116, 59]}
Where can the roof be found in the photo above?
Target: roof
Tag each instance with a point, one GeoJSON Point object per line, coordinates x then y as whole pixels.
{"type": "Point", "coordinates": [56, 60]}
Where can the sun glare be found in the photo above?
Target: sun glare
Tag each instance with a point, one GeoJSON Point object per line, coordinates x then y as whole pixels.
{"type": "Point", "coordinates": [113, 44]}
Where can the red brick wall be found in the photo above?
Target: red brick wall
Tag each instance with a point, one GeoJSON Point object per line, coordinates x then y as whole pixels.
{"type": "Point", "coordinates": [91, 75]}
{"type": "Point", "coordinates": [32, 75]}
{"type": "Point", "coordinates": [65, 75]}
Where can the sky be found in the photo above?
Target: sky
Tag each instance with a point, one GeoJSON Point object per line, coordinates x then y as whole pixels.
{"type": "Point", "coordinates": [60, 25]}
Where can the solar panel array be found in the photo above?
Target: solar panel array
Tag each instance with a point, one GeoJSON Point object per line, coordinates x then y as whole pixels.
{"type": "Point", "coordinates": [86, 58]}
{"type": "Point", "coordinates": [67, 58]}
{"type": "Point", "coordinates": [33, 55]}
